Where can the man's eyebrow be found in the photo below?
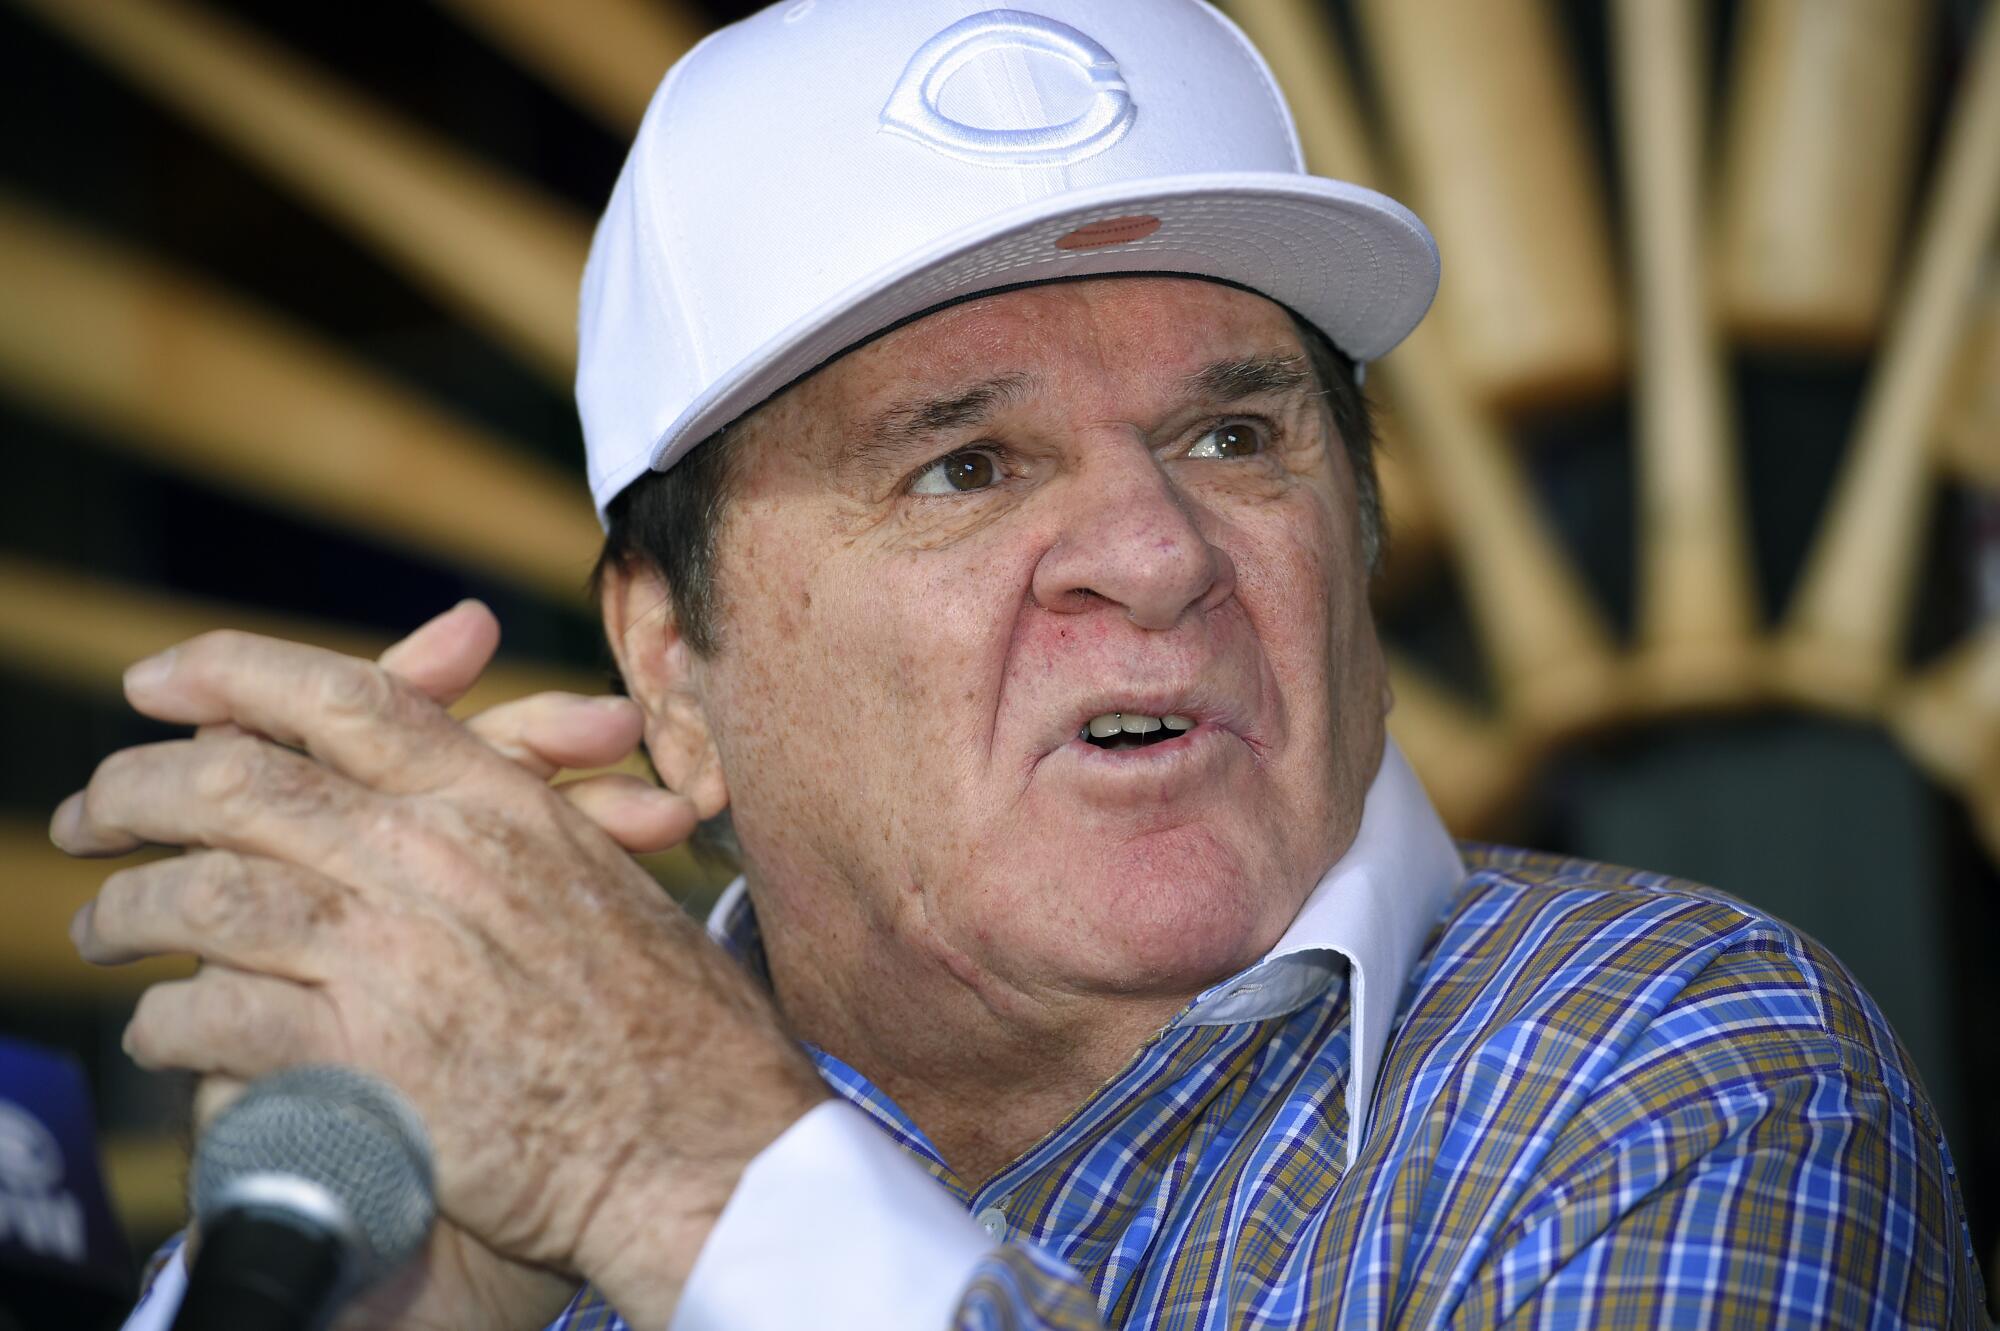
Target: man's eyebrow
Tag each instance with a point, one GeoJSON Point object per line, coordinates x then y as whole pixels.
{"type": "Point", "coordinates": [905, 425]}
{"type": "Point", "coordinates": [899, 429]}
{"type": "Point", "coordinates": [1248, 376]}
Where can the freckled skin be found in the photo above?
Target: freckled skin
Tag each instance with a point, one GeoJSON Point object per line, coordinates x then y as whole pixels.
{"type": "Point", "coordinates": [954, 900]}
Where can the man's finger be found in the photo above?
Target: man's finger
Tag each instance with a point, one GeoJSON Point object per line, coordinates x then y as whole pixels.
{"type": "Point", "coordinates": [445, 656]}
{"type": "Point", "coordinates": [233, 792]}
{"type": "Point", "coordinates": [547, 732]}
{"type": "Point", "coordinates": [352, 714]}
{"type": "Point", "coordinates": [244, 911]}
{"type": "Point", "coordinates": [636, 814]}
{"type": "Point", "coordinates": [235, 1023]}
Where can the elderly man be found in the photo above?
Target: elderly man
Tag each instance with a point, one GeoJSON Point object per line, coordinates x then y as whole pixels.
{"type": "Point", "coordinates": [972, 399]}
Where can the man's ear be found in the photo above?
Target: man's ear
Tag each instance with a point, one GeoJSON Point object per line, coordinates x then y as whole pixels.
{"type": "Point", "coordinates": [658, 667]}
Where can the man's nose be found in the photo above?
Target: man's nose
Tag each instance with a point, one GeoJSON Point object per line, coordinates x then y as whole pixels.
{"type": "Point", "coordinates": [1130, 538]}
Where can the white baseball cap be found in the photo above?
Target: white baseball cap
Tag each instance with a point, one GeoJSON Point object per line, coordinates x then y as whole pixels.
{"type": "Point", "coordinates": [827, 169]}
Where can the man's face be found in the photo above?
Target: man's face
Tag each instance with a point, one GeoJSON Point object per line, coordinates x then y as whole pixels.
{"type": "Point", "coordinates": [950, 550]}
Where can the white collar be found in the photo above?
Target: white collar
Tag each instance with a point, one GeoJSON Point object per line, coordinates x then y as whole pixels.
{"type": "Point", "coordinates": [1373, 909]}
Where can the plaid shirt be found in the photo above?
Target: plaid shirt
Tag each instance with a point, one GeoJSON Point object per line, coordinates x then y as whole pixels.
{"type": "Point", "coordinates": [1610, 1099]}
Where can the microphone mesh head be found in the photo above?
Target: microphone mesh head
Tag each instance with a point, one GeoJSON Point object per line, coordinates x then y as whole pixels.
{"type": "Point", "coordinates": [349, 1133]}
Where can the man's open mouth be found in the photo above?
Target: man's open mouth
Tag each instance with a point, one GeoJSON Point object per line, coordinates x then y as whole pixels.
{"type": "Point", "coordinates": [1130, 730]}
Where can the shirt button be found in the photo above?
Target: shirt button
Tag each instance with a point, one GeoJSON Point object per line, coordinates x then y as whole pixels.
{"type": "Point", "coordinates": [994, 1221]}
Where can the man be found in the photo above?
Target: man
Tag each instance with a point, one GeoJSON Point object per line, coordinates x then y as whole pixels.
{"type": "Point", "coordinates": [971, 397]}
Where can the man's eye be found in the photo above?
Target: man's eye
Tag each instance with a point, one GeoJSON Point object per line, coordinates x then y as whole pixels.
{"type": "Point", "coordinates": [1240, 440]}
{"type": "Point", "coordinates": [956, 473]}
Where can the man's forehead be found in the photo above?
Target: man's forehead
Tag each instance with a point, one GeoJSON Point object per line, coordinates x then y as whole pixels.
{"type": "Point", "coordinates": [988, 352]}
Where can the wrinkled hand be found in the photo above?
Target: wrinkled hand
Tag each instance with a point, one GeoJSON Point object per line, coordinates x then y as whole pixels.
{"type": "Point", "coordinates": [410, 898]}
{"type": "Point", "coordinates": [457, 1283]}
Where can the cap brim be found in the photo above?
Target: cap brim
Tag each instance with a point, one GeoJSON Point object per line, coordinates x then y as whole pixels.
{"type": "Point", "coordinates": [1354, 263]}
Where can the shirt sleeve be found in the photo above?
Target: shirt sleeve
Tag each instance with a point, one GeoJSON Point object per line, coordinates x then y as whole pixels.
{"type": "Point", "coordinates": [1752, 1162]}
{"type": "Point", "coordinates": [833, 1226]}
{"type": "Point", "coordinates": [1821, 1203]}
{"type": "Point", "coordinates": [161, 1296]}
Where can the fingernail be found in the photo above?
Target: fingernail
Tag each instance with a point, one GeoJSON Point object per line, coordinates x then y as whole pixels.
{"type": "Point", "coordinates": [68, 817]}
{"type": "Point", "coordinates": [151, 671]}
{"type": "Point", "coordinates": [79, 924]}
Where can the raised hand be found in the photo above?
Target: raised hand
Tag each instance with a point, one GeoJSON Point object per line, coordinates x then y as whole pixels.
{"type": "Point", "coordinates": [457, 1283]}
{"type": "Point", "coordinates": [406, 897]}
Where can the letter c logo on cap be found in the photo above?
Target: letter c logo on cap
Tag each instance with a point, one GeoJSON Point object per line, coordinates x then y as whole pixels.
{"type": "Point", "coordinates": [1032, 60]}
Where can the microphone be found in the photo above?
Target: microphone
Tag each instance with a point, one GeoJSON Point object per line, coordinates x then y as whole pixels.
{"type": "Point", "coordinates": [312, 1186]}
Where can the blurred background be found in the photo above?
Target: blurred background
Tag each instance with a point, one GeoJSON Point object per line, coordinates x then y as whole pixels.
{"type": "Point", "coordinates": [1694, 473]}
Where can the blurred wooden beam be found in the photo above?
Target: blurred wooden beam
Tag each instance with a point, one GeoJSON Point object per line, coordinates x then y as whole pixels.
{"type": "Point", "coordinates": [606, 55]}
{"type": "Point", "coordinates": [146, 1175]}
{"type": "Point", "coordinates": [1410, 516]}
{"type": "Point", "coordinates": [1948, 717]}
{"type": "Point", "coordinates": [78, 632]}
{"type": "Point", "coordinates": [159, 362]}
{"type": "Point", "coordinates": [498, 250]}
{"type": "Point", "coordinates": [1820, 142]}
{"type": "Point", "coordinates": [1485, 113]}
{"type": "Point", "coordinates": [1969, 434]}
{"type": "Point", "coordinates": [1986, 809]}
{"type": "Point", "coordinates": [1698, 621]}
{"type": "Point", "coordinates": [1547, 647]}
{"type": "Point", "coordinates": [1842, 642]}
{"type": "Point", "coordinates": [1476, 770]}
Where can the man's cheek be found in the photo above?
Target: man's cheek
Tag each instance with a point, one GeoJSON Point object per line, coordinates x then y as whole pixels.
{"type": "Point", "coordinates": [1294, 580]}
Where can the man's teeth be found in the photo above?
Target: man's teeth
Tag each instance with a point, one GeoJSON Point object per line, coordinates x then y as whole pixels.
{"type": "Point", "coordinates": [1132, 723]}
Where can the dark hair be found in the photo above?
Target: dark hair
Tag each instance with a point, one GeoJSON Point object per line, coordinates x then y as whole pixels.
{"type": "Point", "coordinates": [669, 520]}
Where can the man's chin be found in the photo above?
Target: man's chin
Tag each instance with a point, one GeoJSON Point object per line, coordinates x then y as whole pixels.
{"type": "Point", "coordinates": [1165, 914]}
